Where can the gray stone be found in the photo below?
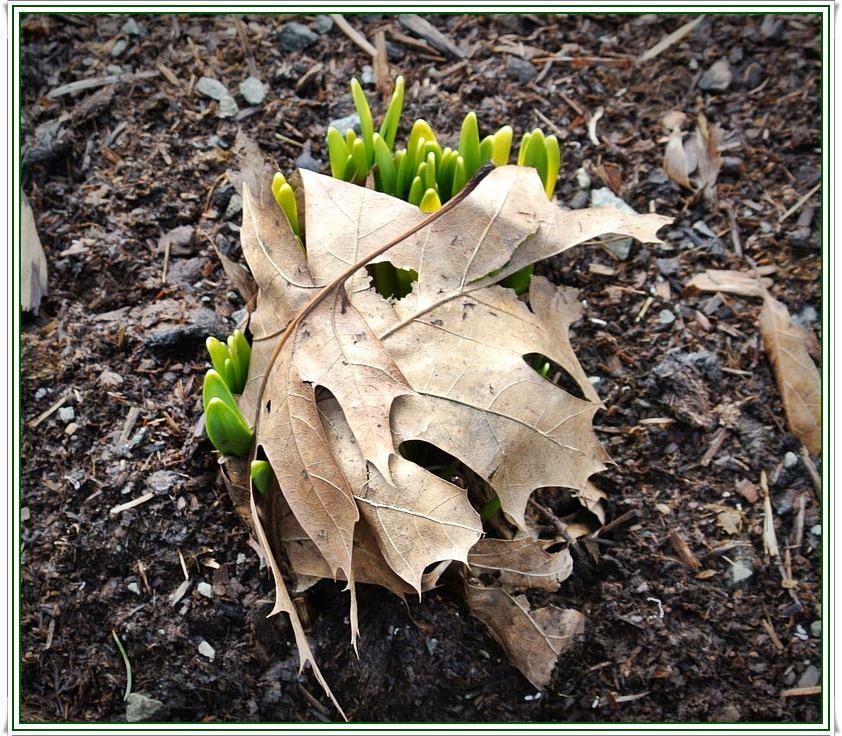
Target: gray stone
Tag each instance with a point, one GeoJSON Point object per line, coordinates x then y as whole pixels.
{"type": "Point", "coordinates": [771, 27]}
{"type": "Point", "coordinates": [578, 200]}
{"type": "Point", "coordinates": [601, 197]}
{"type": "Point", "coordinates": [141, 708]}
{"type": "Point", "coordinates": [40, 393]}
{"type": "Point", "coordinates": [188, 337]}
{"type": "Point", "coordinates": [790, 460]}
{"type": "Point", "coordinates": [131, 27]}
{"type": "Point", "coordinates": [349, 122]}
{"type": "Point", "coordinates": [367, 76]}
{"type": "Point", "coordinates": [119, 47]}
{"type": "Point", "coordinates": [520, 70]}
{"type": "Point", "coordinates": [717, 78]}
{"type": "Point", "coordinates": [666, 317]}
{"type": "Point", "coordinates": [212, 88]}
{"type": "Point", "coordinates": [114, 69]}
{"type": "Point", "coordinates": [186, 270]}
{"type": "Point", "coordinates": [253, 90]}
{"type": "Point", "coordinates": [235, 206]}
{"type": "Point", "coordinates": [162, 481]}
{"type": "Point", "coordinates": [296, 37]}
{"type": "Point", "coordinates": [66, 414]}
{"type": "Point", "coordinates": [227, 107]}
{"type": "Point", "coordinates": [727, 714]}
{"type": "Point", "coordinates": [305, 160]}
{"type": "Point", "coordinates": [816, 628]}
{"type": "Point", "coordinates": [133, 587]}
{"type": "Point", "coordinates": [205, 589]}
{"type": "Point", "coordinates": [810, 678]}
{"type": "Point", "coordinates": [583, 178]}
{"type": "Point", "coordinates": [807, 317]}
{"type": "Point", "coordinates": [206, 650]}
{"type": "Point", "coordinates": [323, 23]}
{"type": "Point", "coordinates": [181, 239]}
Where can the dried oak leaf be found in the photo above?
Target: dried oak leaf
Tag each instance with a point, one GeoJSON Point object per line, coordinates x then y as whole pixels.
{"type": "Point", "coordinates": [445, 365]}
{"type": "Point", "coordinates": [796, 374]}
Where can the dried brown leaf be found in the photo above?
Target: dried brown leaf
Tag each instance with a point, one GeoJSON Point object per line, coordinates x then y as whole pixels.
{"type": "Point", "coordinates": [797, 376]}
{"type": "Point", "coordinates": [33, 263]}
{"type": "Point", "coordinates": [521, 563]}
{"type": "Point", "coordinates": [676, 162]}
{"type": "Point", "coordinates": [740, 283]}
{"type": "Point", "coordinates": [532, 637]}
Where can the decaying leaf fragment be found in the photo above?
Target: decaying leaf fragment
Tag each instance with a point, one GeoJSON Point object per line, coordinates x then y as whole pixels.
{"type": "Point", "coordinates": [797, 376]}
{"type": "Point", "coordinates": [357, 375]}
{"type": "Point", "coordinates": [741, 283]}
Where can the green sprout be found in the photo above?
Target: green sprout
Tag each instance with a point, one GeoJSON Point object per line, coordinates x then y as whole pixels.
{"type": "Point", "coordinates": [285, 197]}
{"type": "Point", "coordinates": [261, 475]}
{"type": "Point", "coordinates": [225, 426]}
{"type": "Point", "coordinates": [231, 360]}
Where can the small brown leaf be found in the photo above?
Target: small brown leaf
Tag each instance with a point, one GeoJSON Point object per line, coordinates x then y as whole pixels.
{"type": "Point", "coordinates": [522, 563]}
{"type": "Point", "coordinates": [797, 376]}
{"type": "Point", "coordinates": [532, 637]}
{"type": "Point", "coordinates": [676, 163]}
{"type": "Point", "coordinates": [33, 262]}
{"type": "Point", "coordinates": [740, 283]}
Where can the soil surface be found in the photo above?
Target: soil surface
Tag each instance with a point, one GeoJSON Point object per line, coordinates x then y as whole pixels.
{"type": "Point", "coordinates": [692, 413]}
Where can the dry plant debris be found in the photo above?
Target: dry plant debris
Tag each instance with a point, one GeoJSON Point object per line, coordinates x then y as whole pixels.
{"type": "Point", "coordinates": [359, 375]}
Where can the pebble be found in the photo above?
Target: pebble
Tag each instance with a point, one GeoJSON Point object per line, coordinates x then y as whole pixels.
{"type": "Point", "coordinates": [727, 714]}
{"type": "Point", "coordinates": [816, 530]}
{"type": "Point", "coordinates": [40, 394]}
{"type": "Point", "coordinates": [700, 226]}
{"type": "Point", "coordinates": [743, 567]}
{"type": "Point", "coordinates": [205, 589]}
{"type": "Point", "coordinates": [119, 47]}
{"type": "Point", "coordinates": [604, 196]}
{"type": "Point", "coordinates": [807, 317]}
{"type": "Point", "coordinates": [206, 650]}
{"type": "Point", "coordinates": [227, 107]}
{"type": "Point", "coordinates": [296, 37]}
{"type": "Point", "coordinates": [578, 200]}
{"type": "Point", "coordinates": [253, 90]}
{"type": "Point", "coordinates": [66, 414]}
{"type": "Point", "coordinates": [131, 27]}
{"type": "Point", "coordinates": [181, 239]}
{"type": "Point", "coordinates": [241, 558]}
{"type": "Point", "coordinates": [717, 78]}
{"type": "Point", "coordinates": [367, 76]}
{"type": "Point", "coordinates": [666, 317]}
{"type": "Point", "coordinates": [323, 23]}
{"type": "Point", "coordinates": [186, 270]}
{"type": "Point", "coordinates": [394, 51]}
{"type": "Point", "coordinates": [349, 122]}
{"type": "Point", "coordinates": [305, 160]}
{"type": "Point", "coordinates": [790, 460]}
{"type": "Point", "coordinates": [520, 70]}
{"type": "Point", "coordinates": [810, 678]}
{"type": "Point", "coordinates": [161, 481]}
{"type": "Point", "coordinates": [235, 206]}
{"type": "Point", "coordinates": [771, 27]}
{"type": "Point", "coordinates": [583, 178]}
{"type": "Point", "coordinates": [816, 629]}
{"type": "Point", "coordinates": [212, 88]}
{"type": "Point", "coordinates": [141, 708]}
{"type": "Point", "coordinates": [692, 65]}
{"type": "Point", "coordinates": [134, 588]}
{"type": "Point", "coordinates": [114, 69]}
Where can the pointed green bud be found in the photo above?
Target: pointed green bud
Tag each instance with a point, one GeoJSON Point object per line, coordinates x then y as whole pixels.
{"type": "Point", "coordinates": [430, 202]}
{"type": "Point", "coordinates": [430, 172]}
{"type": "Point", "coordinates": [240, 352]}
{"type": "Point", "coordinates": [226, 429]}
{"type": "Point", "coordinates": [359, 159]}
{"type": "Point", "coordinates": [261, 475]}
{"type": "Point", "coordinates": [469, 144]}
{"type": "Point", "coordinates": [337, 152]}
{"type": "Point", "coordinates": [521, 154]}
{"type": "Point", "coordinates": [444, 173]}
{"type": "Point", "coordinates": [486, 148]}
{"type": "Point", "coordinates": [536, 154]}
{"type": "Point", "coordinates": [215, 387]}
{"type": "Point", "coordinates": [285, 197]}
{"type": "Point", "coordinates": [218, 352]}
{"type": "Point", "coordinates": [366, 121]}
{"type": "Point", "coordinates": [389, 126]}
{"type": "Point", "coordinates": [502, 146]}
{"type": "Point", "coordinates": [350, 137]}
{"type": "Point", "coordinates": [416, 191]}
{"type": "Point", "coordinates": [553, 164]}
{"type": "Point", "coordinates": [460, 177]}
{"type": "Point", "coordinates": [385, 175]}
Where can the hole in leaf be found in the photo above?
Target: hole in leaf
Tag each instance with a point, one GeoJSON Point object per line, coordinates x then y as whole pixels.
{"type": "Point", "coordinates": [554, 373]}
{"type": "Point", "coordinates": [391, 282]}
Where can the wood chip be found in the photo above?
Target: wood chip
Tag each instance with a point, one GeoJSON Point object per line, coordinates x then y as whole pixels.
{"type": "Point", "coordinates": [83, 84]}
{"type": "Point", "coordinates": [131, 504]}
{"type": "Point", "coordinates": [426, 30]}
{"type": "Point", "coordinates": [180, 592]}
{"type": "Point", "coordinates": [353, 34]}
{"type": "Point", "coordinates": [795, 692]}
{"type": "Point", "coordinates": [683, 551]}
{"type": "Point", "coordinates": [669, 40]}
{"type": "Point", "coordinates": [168, 74]}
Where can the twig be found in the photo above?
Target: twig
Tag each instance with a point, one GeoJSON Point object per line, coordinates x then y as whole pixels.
{"type": "Point", "coordinates": [380, 65]}
{"type": "Point", "coordinates": [354, 34]}
{"type": "Point", "coordinates": [614, 523]}
{"type": "Point", "coordinates": [715, 445]}
{"type": "Point", "coordinates": [669, 40]}
{"type": "Point", "coordinates": [573, 105]}
{"type": "Point", "coordinates": [53, 408]}
{"type": "Point", "coordinates": [800, 203]}
{"type": "Point", "coordinates": [131, 504]}
{"type": "Point", "coordinates": [82, 84]}
{"type": "Point", "coordinates": [550, 124]}
{"type": "Point", "coordinates": [811, 469]}
{"type": "Point", "coordinates": [126, 663]}
{"type": "Point", "coordinates": [167, 248]}
{"type": "Point", "coordinates": [773, 635]}
{"type": "Point", "coordinates": [797, 691]}
{"type": "Point", "coordinates": [682, 549]}
{"type": "Point", "coordinates": [798, 528]}
{"type": "Point", "coordinates": [735, 232]}
{"type": "Point", "coordinates": [244, 42]}
{"type": "Point", "coordinates": [592, 125]}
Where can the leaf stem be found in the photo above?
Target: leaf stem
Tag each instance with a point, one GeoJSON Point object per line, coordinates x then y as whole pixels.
{"type": "Point", "coordinates": [126, 663]}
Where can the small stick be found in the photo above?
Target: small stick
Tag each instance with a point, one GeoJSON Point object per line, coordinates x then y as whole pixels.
{"type": "Point", "coordinates": [715, 445]}
{"type": "Point", "coordinates": [354, 34]}
{"type": "Point", "coordinates": [773, 635]}
{"type": "Point", "coordinates": [131, 504]}
{"type": "Point", "coordinates": [244, 42]}
{"type": "Point", "coordinates": [682, 549]}
{"type": "Point", "coordinates": [811, 469]}
{"type": "Point", "coordinates": [798, 530]}
{"type": "Point", "coordinates": [669, 40]}
{"type": "Point", "coordinates": [53, 408]}
{"type": "Point", "coordinates": [797, 691]}
{"type": "Point", "coordinates": [167, 248]}
{"type": "Point", "coordinates": [799, 203]}
{"type": "Point", "coordinates": [735, 232]}
{"type": "Point", "coordinates": [576, 108]}
{"type": "Point", "coordinates": [621, 519]}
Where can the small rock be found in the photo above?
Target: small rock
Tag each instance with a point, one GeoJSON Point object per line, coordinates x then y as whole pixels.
{"type": "Point", "coordinates": [206, 590]}
{"type": "Point", "coordinates": [790, 460]}
{"type": "Point", "coordinates": [666, 317]}
{"type": "Point", "coordinates": [619, 248]}
{"type": "Point", "coordinates": [66, 414]}
{"type": "Point", "coordinates": [222, 196]}
{"type": "Point", "coordinates": [816, 629]}
{"type": "Point", "coordinates": [743, 568]}
{"type": "Point", "coordinates": [235, 206]}
{"type": "Point", "coordinates": [578, 200]}
{"type": "Point", "coordinates": [119, 47]}
{"type": "Point", "coordinates": [241, 558]}
{"type": "Point", "coordinates": [296, 37]}
{"type": "Point", "coordinates": [807, 317]}
{"type": "Point", "coordinates": [810, 678]}
{"type": "Point", "coordinates": [227, 107]}
{"type": "Point", "coordinates": [133, 587]}
{"type": "Point", "coordinates": [816, 530]}
{"type": "Point", "coordinates": [212, 88]}
{"type": "Point", "coordinates": [161, 481]}
{"type": "Point", "coordinates": [253, 90]}
{"type": "Point", "coordinates": [181, 240]}
{"type": "Point", "coordinates": [432, 645]}
{"type": "Point", "coordinates": [130, 27]}
{"type": "Point", "coordinates": [305, 160]}
{"type": "Point", "coordinates": [692, 65]}
{"type": "Point", "coordinates": [700, 226]}
{"type": "Point", "coordinates": [186, 271]}
{"type": "Point", "coordinates": [349, 122]}
{"type": "Point", "coordinates": [323, 23]}
{"type": "Point", "coordinates": [771, 27]}
{"type": "Point", "coordinates": [717, 78]}
{"type": "Point", "coordinates": [189, 336]}
{"type": "Point", "coordinates": [727, 714]}
{"type": "Point", "coordinates": [206, 650]}
{"type": "Point", "coordinates": [753, 76]}
{"type": "Point", "coordinates": [394, 51]}
{"type": "Point", "coordinates": [114, 69]}
{"type": "Point", "coordinates": [141, 708]}
{"type": "Point", "coordinates": [71, 428]}
{"type": "Point", "coordinates": [583, 178]}
{"type": "Point", "coordinates": [40, 394]}
{"type": "Point", "coordinates": [367, 76]}
{"type": "Point", "coordinates": [520, 70]}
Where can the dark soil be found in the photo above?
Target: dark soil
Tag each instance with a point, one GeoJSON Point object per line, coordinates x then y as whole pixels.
{"type": "Point", "coordinates": [136, 159]}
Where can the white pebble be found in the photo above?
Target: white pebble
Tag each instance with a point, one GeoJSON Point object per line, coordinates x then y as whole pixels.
{"type": "Point", "coordinates": [790, 459]}
{"type": "Point", "coordinates": [66, 414]}
{"type": "Point", "coordinates": [205, 589]}
{"type": "Point", "coordinates": [206, 650]}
